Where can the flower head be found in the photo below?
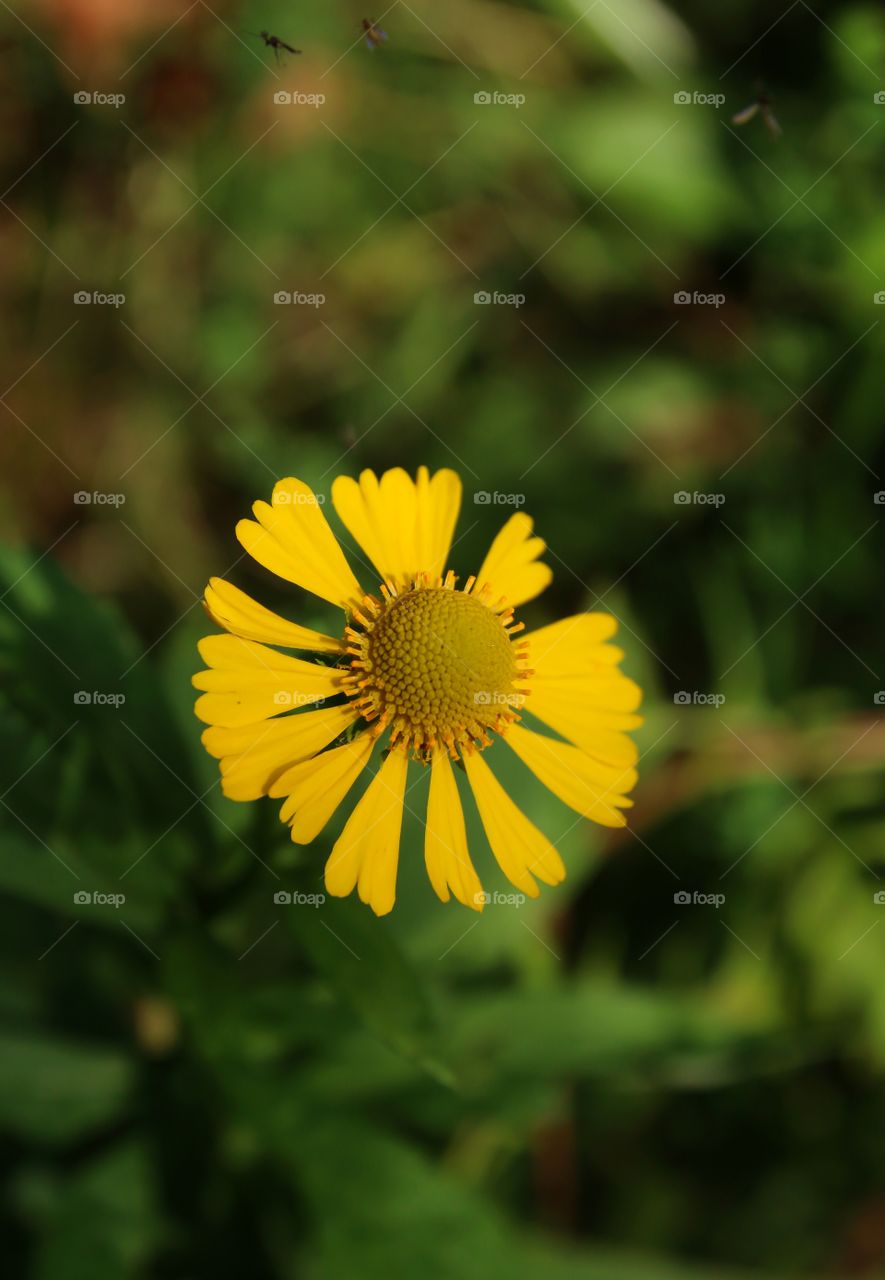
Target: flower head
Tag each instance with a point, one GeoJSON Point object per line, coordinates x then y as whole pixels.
{"type": "Point", "coordinates": [430, 672]}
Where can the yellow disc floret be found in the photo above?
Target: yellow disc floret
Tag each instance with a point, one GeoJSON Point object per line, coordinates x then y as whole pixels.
{"type": "Point", "coordinates": [435, 664]}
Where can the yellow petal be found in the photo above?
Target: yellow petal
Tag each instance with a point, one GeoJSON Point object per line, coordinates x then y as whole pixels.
{"type": "Point", "coordinates": [576, 690]}
{"type": "Point", "coordinates": [232, 653]}
{"type": "Point", "coordinates": [293, 540]}
{"type": "Point", "coordinates": [592, 788]}
{"type": "Point", "coordinates": [238, 613]}
{"type": "Point", "coordinates": [404, 527]}
{"type": "Point", "coordinates": [316, 787]}
{"type": "Point", "coordinates": [367, 851]}
{"type": "Point", "coordinates": [582, 631]}
{"type": "Point", "coordinates": [584, 714]}
{"type": "Point", "coordinates": [445, 839]}
{"type": "Point", "coordinates": [511, 567]}
{"type": "Point", "coordinates": [254, 755]}
{"type": "Point", "coordinates": [521, 849]}
{"type": "Point", "coordinates": [439, 501]}
{"type": "Point", "coordinates": [247, 681]}
{"type": "Point", "coordinates": [575, 647]}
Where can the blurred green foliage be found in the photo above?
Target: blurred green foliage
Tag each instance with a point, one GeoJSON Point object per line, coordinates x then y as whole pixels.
{"type": "Point", "coordinates": [201, 1082]}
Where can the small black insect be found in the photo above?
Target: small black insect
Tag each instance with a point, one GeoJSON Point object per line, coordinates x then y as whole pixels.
{"type": "Point", "coordinates": [761, 107]}
{"type": "Point", "coordinates": [373, 33]}
{"type": "Point", "coordinates": [274, 42]}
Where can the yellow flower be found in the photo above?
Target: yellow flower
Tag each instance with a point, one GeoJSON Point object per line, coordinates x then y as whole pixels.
{"type": "Point", "coordinates": [443, 672]}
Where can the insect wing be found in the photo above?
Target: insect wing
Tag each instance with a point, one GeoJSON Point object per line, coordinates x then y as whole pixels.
{"type": "Point", "coordinates": [741, 117]}
{"type": "Point", "coordinates": [772, 124]}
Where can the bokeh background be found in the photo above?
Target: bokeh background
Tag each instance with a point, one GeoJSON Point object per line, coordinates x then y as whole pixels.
{"type": "Point", "coordinates": [610, 1083]}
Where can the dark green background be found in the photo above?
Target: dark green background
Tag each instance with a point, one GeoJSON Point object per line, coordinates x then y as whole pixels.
{"type": "Point", "coordinates": [604, 1084]}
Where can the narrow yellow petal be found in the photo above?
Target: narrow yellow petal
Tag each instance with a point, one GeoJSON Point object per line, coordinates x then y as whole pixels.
{"type": "Point", "coordinates": [247, 681]}
{"type": "Point", "coordinates": [238, 613]}
{"type": "Point", "coordinates": [582, 714]}
{"type": "Point", "coordinates": [367, 851]}
{"type": "Point", "coordinates": [522, 851]}
{"type": "Point", "coordinates": [577, 691]}
{"type": "Point", "coordinates": [439, 501]}
{"type": "Point", "coordinates": [293, 540]}
{"type": "Point", "coordinates": [592, 788]}
{"type": "Point", "coordinates": [511, 567]}
{"type": "Point", "coordinates": [233, 653]}
{"type": "Point", "coordinates": [445, 839]}
{"type": "Point", "coordinates": [581, 631]}
{"type": "Point", "coordinates": [254, 755]}
{"type": "Point", "coordinates": [574, 649]}
{"type": "Point", "coordinates": [404, 527]}
{"type": "Point", "coordinates": [316, 787]}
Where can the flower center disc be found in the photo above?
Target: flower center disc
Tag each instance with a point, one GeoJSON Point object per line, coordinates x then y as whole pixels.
{"type": "Point", "coordinates": [437, 665]}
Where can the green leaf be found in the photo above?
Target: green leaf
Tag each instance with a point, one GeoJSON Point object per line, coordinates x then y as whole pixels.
{"type": "Point", "coordinates": [78, 680]}
{"type": "Point", "coordinates": [102, 1222]}
{"type": "Point", "coordinates": [354, 951]}
{"type": "Point", "coordinates": [54, 1090]}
